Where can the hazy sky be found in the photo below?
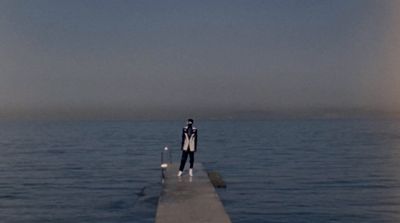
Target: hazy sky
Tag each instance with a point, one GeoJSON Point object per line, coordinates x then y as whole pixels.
{"type": "Point", "coordinates": [152, 57]}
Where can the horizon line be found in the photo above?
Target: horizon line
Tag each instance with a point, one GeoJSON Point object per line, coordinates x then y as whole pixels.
{"type": "Point", "coordinates": [168, 114]}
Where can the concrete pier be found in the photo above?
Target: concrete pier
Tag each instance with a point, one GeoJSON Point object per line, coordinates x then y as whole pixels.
{"type": "Point", "coordinates": [189, 199]}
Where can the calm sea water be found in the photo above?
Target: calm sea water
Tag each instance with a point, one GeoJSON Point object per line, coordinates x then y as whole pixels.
{"type": "Point", "coordinates": [276, 171]}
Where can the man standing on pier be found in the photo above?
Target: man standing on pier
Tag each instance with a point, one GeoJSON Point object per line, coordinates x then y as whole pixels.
{"type": "Point", "coordinates": [188, 146]}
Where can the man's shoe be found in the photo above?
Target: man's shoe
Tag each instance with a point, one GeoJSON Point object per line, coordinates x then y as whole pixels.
{"type": "Point", "coordinates": [191, 172]}
{"type": "Point", "coordinates": [180, 173]}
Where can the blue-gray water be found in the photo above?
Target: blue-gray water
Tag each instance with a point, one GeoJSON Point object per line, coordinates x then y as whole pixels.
{"type": "Point", "coordinates": [276, 171]}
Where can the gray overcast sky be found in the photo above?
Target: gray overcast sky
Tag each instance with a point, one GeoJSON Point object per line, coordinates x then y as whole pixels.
{"type": "Point", "coordinates": [154, 56]}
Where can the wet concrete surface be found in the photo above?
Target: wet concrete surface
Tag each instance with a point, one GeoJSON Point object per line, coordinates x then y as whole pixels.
{"type": "Point", "coordinates": [189, 199]}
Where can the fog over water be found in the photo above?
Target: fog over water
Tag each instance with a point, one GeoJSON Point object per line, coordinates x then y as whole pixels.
{"type": "Point", "coordinates": [148, 58]}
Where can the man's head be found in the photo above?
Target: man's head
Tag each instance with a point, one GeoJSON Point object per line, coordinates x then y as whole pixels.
{"type": "Point", "coordinates": [189, 122]}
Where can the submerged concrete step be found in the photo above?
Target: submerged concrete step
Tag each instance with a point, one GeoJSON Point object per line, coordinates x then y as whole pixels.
{"type": "Point", "coordinates": [189, 199]}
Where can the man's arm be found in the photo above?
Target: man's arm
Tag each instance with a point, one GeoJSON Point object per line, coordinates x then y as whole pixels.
{"type": "Point", "coordinates": [195, 139]}
{"type": "Point", "coordinates": [183, 138]}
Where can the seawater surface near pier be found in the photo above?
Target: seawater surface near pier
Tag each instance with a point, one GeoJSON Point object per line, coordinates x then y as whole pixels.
{"type": "Point", "coordinates": [341, 170]}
